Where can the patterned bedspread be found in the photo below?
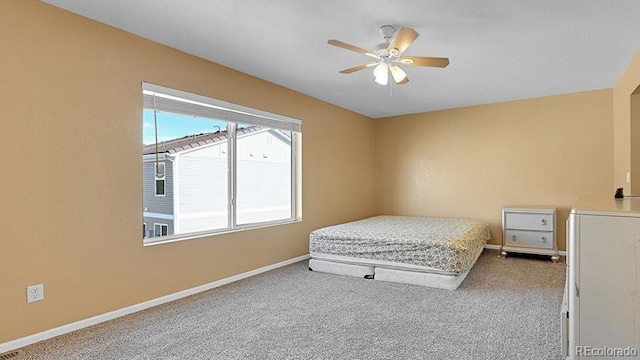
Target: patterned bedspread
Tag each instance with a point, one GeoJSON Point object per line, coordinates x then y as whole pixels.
{"type": "Point", "coordinates": [448, 244]}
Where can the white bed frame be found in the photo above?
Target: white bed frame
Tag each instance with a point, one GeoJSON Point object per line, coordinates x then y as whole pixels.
{"type": "Point", "coordinates": [389, 271]}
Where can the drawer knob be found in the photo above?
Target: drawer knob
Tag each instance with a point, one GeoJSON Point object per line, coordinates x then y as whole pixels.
{"type": "Point", "coordinates": [513, 237]}
{"type": "Point", "coordinates": [543, 221]}
{"type": "Point", "coordinates": [544, 239]}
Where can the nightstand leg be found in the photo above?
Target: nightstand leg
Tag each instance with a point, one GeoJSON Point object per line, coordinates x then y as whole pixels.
{"type": "Point", "coordinates": [503, 255]}
{"type": "Point", "coordinates": [555, 259]}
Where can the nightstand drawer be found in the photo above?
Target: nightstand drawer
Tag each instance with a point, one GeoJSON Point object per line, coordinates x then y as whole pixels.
{"type": "Point", "coordinates": [526, 221]}
{"type": "Point", "coordinates": [536, 239]}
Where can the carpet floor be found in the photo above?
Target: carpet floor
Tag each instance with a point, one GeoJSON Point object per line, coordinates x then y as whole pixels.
{"type": "Point", "coordinates": [505, 309]}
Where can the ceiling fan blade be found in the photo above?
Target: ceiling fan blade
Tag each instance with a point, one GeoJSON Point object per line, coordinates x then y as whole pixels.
{"type": "Point", "coordinates": [404, 37]}
{"type": "Point", "coordinates": [357, 68]}
{"type": "Point", "coordinates": [346, 46]}
{"type": "Point", "coordinates": [425, 61]}
{"type": "Point", "coordinates": [399, 76]}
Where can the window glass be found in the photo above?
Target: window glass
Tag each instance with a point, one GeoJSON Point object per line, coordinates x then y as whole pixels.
{"type": "Point", "coordinates": [194, 172]}
{"type": "Point", "coordinates": [205, 171]}
{"type": "Point", "coordinates": [263, 174]}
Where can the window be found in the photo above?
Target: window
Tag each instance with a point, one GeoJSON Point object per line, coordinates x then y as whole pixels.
{"type": "Point", "coordinates": [216, 166]}
{"type": "Point", "coordinates": [263, 174]}
{"type": "Point", "coordinates": [160, 230]}
{"type": "Point", "coordinates": [159, 179]}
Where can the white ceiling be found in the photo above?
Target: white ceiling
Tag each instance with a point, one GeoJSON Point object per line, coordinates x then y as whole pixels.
{"type": "Point", "coordinates": [499, 49]}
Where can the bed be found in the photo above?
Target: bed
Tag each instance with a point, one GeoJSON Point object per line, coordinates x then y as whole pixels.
{"type": "Point", "coordinates": [429, 251]}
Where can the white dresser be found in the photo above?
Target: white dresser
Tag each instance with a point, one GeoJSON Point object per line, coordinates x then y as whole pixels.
{"type": "Point", "coordinates": [603, 249]}
{"type": "Point", "coordinates": [530, 230]}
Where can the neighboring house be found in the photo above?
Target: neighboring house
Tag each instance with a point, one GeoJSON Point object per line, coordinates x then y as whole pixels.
{"type": "Point", "coordinates": [191, 195]}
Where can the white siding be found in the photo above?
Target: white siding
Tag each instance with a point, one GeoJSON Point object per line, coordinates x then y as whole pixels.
{"type": "Point", "coordinates": [267, 146]}
{"type": "Point", "coordinates": [264, 182]}
{"type": "Point", "coordinates": [264, 191]}
{"type": "Point", "coordinates": [264, 177]}
{"type": "Point", "coordinates": [202, 189]}
{"type": "Point", "coordinates": [217, 150]}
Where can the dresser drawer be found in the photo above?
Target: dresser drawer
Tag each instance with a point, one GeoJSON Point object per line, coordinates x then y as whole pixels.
{"type": "Point", "coordinates": [535, 239]}
{"type": "Point", "coordinates": [527, 221]}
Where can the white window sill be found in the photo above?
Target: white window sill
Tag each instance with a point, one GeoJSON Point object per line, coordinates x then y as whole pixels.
{"type": "Point", "coordinates": [198, 235]}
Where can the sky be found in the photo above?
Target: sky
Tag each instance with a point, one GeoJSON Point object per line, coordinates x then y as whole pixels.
{"type": "Point", "coordinates": [171, 126]}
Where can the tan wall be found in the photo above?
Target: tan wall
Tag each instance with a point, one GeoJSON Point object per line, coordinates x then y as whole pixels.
{"type": "Point", "coordinates": [70, 109]}
{"type": "Point", "coordinates": [470, 162]}
{"type": "Point", "coordinates": [634, 140]}
{"type": "Point", "coordinates": [623, 163]}
{"type": "Point", "coordinates": [71, 180]}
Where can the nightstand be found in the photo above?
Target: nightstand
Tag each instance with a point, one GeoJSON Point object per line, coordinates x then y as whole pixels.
{"type": "Point", "coordinates": [530, 230]}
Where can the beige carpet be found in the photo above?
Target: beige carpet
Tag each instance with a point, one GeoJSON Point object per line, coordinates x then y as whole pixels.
{"type": "Point", "coordinates": [505, 309]}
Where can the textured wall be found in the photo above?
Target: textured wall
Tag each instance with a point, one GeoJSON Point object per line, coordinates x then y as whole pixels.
{"type": "Point", "coordinates": [71, 183]}
{"type": "Point", "coordinates": [623, 136]}
{"type": "Point", "coordinates": [70, 109]}
{"type": "Point", "coordinates": [470, 162]}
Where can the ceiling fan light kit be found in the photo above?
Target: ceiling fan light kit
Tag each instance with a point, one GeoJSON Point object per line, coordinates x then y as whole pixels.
{"type": "Point", "coordinates": [389, 55]}
{"type": "Point", "coordinates": [381, 73]}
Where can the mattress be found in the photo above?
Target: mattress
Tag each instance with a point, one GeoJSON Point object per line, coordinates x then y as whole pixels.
{"type": "Point", "coordinates": [446, 245]}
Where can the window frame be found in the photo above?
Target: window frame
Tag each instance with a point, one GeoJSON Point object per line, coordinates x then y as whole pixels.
{"type": "Point", "coordinates": [156, 178]}
{"type": "Point", "coordinates": [161, 225]}
{"type": "Point", "coordinates": [184, 103]}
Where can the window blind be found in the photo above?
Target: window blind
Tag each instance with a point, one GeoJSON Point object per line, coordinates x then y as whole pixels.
{"type": "Point", "coordinates": [181, 102]}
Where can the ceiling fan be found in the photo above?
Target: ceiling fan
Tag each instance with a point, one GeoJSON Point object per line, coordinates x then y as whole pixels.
{"type": "Point", "coordinates": [389, 55]}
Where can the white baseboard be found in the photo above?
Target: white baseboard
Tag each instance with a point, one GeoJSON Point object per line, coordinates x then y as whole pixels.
{"type": "Point", "coordinates": [497, 247]}
{"type": "Point", "coordinates": [31, 339]}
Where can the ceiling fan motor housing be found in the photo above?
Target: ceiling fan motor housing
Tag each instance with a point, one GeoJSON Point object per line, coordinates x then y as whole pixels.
{"type": "Point", "coordinates": [387, 32]}
{"type": "Point", "coordinates": [381, 50]}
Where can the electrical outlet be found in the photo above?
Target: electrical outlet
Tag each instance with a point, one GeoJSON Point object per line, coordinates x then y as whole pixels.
{"type": "Point", "coordinates": [35, 293]}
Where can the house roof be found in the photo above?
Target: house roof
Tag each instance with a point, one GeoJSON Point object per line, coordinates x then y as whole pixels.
{"type": "Point", "coordinates": [196, 140]}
